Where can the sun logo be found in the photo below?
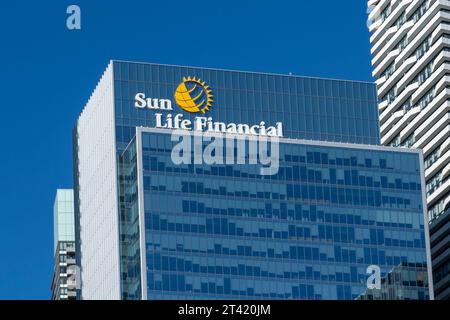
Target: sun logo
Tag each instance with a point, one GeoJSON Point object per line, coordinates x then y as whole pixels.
{"type": "Point", "coordinates": [193, 95]}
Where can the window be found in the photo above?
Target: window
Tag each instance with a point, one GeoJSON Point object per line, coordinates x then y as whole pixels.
{"type": "Point", "coordinates": [389, 71]}
{"type": "Point", "coordinates": [386, 13]}
{"type": "Point", "coordinates": [406, 106]}
{"type": "Point", "coordinates": [435, 211]}
{"type": "Point", "coordinates": [391, 95]}
{"type": "Point", "coordinates": [434, 183]}
{"type": "Point", "coordinates": [402, 44]}
{"type": "Point", "coordinates": [426, 99]}
{"type": "Point", "coordinates": [423, 48]}
{"type": "Point", "coordinates": [409, 142]}
{"type": "Point", "coordinates": [425, 73]}
{"type": "Point", "coordinates": [395, 142]}
{"type": "Point", "coordinates": [421, 11]}
{"type": "Point", "coordinates": [400, 21]}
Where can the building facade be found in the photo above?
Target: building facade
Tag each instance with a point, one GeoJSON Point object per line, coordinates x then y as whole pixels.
{"type": "Point", "coordinates": [440, 254]}
{"type": "Point", "coordinates": [308, 232]}
{"type": "Point", "coordinates": [410, 47]}
{"type": "Point", "coordinates": [64, 246]}
{"type": "Point", "coordinates": [150, 229]}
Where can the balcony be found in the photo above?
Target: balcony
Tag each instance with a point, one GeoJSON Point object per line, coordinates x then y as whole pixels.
{"type": "Point", "coordinates": [393, 127]}
{"type": "Point", "coordinates": [380, 81]}
{"type": "Point", "coordinates": [372, 3]}
{"type": "Point", "coordinates": [375, 25]}
{"type": "Point", "coordinates": [437, 118]}
{"type": "Point", "coordinates": [398, 76]}
{"type": "Point", "coordinates": [439, 139]}
{"type": "Point", "coordinates": [396, 116]}
{"type": "Point", "coordinates": [389, 47]}
{"type": "Point", "coordinates": [443, 160]}
{"type": "Point", "coordinates": [382, 105]}
{"type": "Point", "coordinates": [438, 102]}
{"type": "Point", "coordinates": [416, 32]}
{"type": "Point", "coordinates": [416, 35]}
{"type": "Point", "coordinates": [400, 100]}
{"type": "Point", "coordinates": [415, 91]}
{"type": "Point", "coordinates": [446, 171]}
{"type": "Point", "coordinates": [384, 39]}
{"type": "Point", "coordinates": [438, 60]}
{"type": "Point", "coordinates": [379, 27]}
{"type": "Point", "coordinates": [433, 129]}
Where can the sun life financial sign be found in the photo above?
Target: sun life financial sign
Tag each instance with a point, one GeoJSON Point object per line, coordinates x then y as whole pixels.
{"type": "Point", "coordinates": [194, 96]}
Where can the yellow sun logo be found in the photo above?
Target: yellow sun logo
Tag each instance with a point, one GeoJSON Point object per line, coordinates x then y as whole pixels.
{"type": "Point", "coordinates": [193, 95]}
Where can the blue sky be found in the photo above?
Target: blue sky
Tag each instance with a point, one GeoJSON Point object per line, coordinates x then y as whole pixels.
{"type": "Point", "coordinates": [48, 72]}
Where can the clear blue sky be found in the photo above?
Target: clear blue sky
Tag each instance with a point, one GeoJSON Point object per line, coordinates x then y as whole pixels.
{"type": "Point", "coordinates": [47, 74]}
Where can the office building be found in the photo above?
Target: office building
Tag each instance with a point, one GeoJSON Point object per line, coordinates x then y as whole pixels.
{"type": "Point", "coordinates": [64, 246]}
{"type": "Point", "coordinates": [338, 203]}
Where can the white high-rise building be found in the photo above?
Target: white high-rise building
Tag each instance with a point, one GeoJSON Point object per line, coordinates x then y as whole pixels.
{"type": "Point", "coordinates": [147, 227]}
{"type": "Point", "coordinates": [411, 62]}
{"type": "Point", "coordinates": [64, 272]}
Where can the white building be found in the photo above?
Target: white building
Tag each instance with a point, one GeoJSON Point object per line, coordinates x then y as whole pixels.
{"type": "Point", "coordinates": [411, 62]}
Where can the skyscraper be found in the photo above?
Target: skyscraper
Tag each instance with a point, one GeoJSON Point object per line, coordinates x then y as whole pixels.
{"type": "Point", "coordinates": [411, 60]}
{"type": "Point", "coordinates": [64, 245]}
{"type": "Point", "coordinates": [337, 204]}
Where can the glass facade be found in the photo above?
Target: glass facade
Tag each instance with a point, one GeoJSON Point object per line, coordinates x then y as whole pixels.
{"type": "Point", "coordinates": [309, 108]}
{"type": "Point", "coordinates": [129, 226]}
{"type": "Point", "coordinates": [308, 232]}
{"type": "Point", "coordinates": [63, 216]}
{"type": "Point", "coordinates": [64, 244]}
